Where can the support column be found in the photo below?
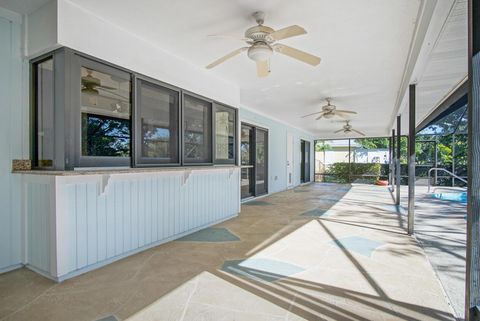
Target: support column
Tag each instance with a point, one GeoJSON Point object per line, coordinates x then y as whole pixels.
{"type": "Point", "coordinates": [389, 160]}
{"type": "Point", "coordinates": [453, 159]}
{"type": "Point", "coordinates": [349, 162]}
{"type": "Point", "coordinates": [435, 160]}
{"type": "Point", "coordinates": [472, 295]}
{"type": "Point", "coordinates": [397, 159]}
{"type": "Point", "coordinates": [393, 161]}
{"type": "Point", "coordinates": [411, 159]}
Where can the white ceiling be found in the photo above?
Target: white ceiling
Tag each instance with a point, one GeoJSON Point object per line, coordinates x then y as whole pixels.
{"type": "Point", "coordinates": [363, 44]}
{"type": "Point", "coordinates": [446, 67]}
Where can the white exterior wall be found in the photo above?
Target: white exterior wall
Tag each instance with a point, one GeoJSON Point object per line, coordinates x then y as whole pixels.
{"type": "Point", "coordinates": [121, 47]}
{"type": "Point", "coordinates": [277, 149]}
{"type": "Point", "coordinates": [78, 223]}
{"type": "Point", "coordinates": [13, 137]}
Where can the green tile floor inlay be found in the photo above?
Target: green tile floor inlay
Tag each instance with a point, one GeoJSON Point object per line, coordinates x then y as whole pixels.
{"type": "Point", "coordinates": [315, 212]}
{"type": "Point", "coordinates": [258, 203]}
{"type": "Point", "coordinates": [261, 268]}
{"type": "Point", "coordinates": [358, 244]}
{"type": "Point", "coordinates": [109, 318]}
{"type": "Point", "coordinates": [211, 234]}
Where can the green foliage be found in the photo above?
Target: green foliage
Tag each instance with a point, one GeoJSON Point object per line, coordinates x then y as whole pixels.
{"type": "Point", "coordinates": [350, 172]}
{"type": "Point", "coordinates": [322, 146]}
{"type": "Point", "coordinates": [105, 136]}
{"type": "Point", "coordinates": [373, 143]}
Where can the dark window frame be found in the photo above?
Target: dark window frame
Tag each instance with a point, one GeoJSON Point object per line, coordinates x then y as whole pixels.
{"type": "Point", "coordinates": [34, 107]}
{"type": "Point", "coordinates": [233, 161]}
{"type": "Point", "coordinates": [136, 133]}
{"type": "Point", "coordinates": [96, 161]}
{"type": "Point", "coordinates": [67, 145]}
{"type": "Point", "coordinates": [253, 156]}
{"type": "Point", "coordinates": [211, 156]}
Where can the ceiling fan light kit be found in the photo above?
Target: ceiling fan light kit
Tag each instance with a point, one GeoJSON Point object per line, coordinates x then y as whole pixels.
{"type": "Point", "coordinates": [260, 52]}
{"type": "Point", "coordinates": [262, 44]}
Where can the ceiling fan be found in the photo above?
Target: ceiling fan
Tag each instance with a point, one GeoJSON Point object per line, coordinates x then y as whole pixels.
{"type": "Point", "coordinates": [91, 84]}
{"type": "Point", "coordinates": [329, 110]}
{"type": "Point", "coordinates": [261, 42]}
{"type": "Point", "coordinates": [347, 128]}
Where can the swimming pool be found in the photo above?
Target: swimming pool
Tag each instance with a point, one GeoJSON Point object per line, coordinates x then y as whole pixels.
{"type": "Point", "coordinates": [452, 196]}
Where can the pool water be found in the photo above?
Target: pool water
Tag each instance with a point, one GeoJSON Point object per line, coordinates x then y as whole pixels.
{"type": "Point", "coordinates": [451, 196]}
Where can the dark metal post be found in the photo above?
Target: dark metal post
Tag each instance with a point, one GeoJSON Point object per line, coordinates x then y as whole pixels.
{"type": "Point", "coordinates": [472, 288]}
{"type": "Point", "coordinates": [435, 160]}
{"type": "Point", "coordinates": [411, 159]}
{"type": "Point", "coordinates": [349, 163]}
{"type": "Point", "coordinates": [453, 159]}
{"type": "Point", "coordinates": [389, 160]}
{"type": "Point", "coordinates": [397, 160]}
{"type": "Point", "coordinates": [393, 160]}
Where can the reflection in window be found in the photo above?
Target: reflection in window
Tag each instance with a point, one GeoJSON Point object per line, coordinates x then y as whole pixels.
{"type": "Point", "coordinates": [105, 108]}
{"type": "Point", "coordinates": [224, 133]}
{"type": "Point", "coordinates": [159, 114]}
{"type": "Point", "coordinates": [105, 136]}
{"type": "Point", "coordinates": [44, 94]}
{"type": "Point", "coordinates": [197, 130]}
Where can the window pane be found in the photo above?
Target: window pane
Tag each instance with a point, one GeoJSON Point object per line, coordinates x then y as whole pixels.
{"type": "Point", "coordinates": [261, 161]}
{"type": "Point", "coordinates": [198, 133]}
{"type": "Point", "coordinates": [224, 133]}
{"type": "Point", "coordinates": [105, 136]}
{"type": "Point", "coordinates": [158, 116]}
{"type": "Point", "coordinates": [44, 94]}
{"type": "Point", "coordinates": [246, 145]}
{"type": "Point", "coordinates": [105, 108]}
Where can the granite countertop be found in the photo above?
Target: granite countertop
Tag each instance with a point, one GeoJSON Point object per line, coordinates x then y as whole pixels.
{"type": "Point", "coordinates": [109, 171]}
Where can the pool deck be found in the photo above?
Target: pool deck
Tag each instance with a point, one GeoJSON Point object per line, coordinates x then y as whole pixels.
{"type": "Point", "coordinates": [317, 252]}
{"type": "Point", "coordinates": [440, 228]}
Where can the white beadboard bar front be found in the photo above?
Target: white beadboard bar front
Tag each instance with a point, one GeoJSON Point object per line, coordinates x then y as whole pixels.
{"type": "Point", "coordinates": [76, 223]}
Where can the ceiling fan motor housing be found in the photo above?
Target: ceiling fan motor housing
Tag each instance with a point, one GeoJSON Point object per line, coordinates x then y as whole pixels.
{"type": "Point", "coordinates": [259, 33]}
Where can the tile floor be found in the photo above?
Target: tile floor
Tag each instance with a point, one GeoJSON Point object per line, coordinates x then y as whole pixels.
{"type": "Point", "coordinates": [349, 258]}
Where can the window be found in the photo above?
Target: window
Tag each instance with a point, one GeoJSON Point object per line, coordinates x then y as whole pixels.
{"type": "Point", "coordinates": [197, 124]}
{"type": "Point", "coordinates": [89, 113]}
{"type": "Point", "coordinates": [105, 115]}
{"type": "Point", "coordinates": [157, 124]}
{"type": "Point", "coordinates": [225, 134]}
{"type": "Point", "coordinates": [44, 113]}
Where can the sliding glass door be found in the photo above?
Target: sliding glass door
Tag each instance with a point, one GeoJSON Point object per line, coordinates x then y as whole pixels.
{"type": "Point", "coordinates": [254, 161]}
{"type": "Point", "coordinates": [246, 152]}
{"type": "Point", "coordinates": [261, 165]}
{"type": "Point", "coordinates": [305, 162]}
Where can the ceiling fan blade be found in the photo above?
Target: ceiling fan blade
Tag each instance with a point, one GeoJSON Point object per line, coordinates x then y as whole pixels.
{"type": "Point", "coordinates": [226, 57]}
{"type": "Point", "coordinates": [262, 68]}
{"type": "Point", "coordinates": [340, 130]}
{"type": "Point", "coordinates": [287, 32]}
{"type": "Point", "coordinates": [297, 54]}
{"type": "Point", "coordinates": [318, 112]}
{"type": "Point", "coordinates": [320, 117]}
{"type": "Point", "coordinates": [356, 131]}
{"type": "Point", "coordinates": [345, 111]}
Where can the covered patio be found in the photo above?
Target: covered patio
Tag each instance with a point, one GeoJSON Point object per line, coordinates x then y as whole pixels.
{"type": "Point", "coordinates": [239, 160]}
{"type": "Point", "coordinates": [317, 252]}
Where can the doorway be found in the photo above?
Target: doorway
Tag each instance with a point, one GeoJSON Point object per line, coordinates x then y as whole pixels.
{"type": "Point", "coordinates": [305, 161]}
{"type": "Point", "coordinates": [254, 161]}
{"type": "Point", "coordinates": [290, 157]}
